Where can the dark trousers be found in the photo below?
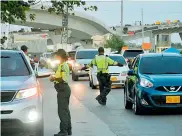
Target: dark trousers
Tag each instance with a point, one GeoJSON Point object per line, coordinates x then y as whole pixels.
{"type": "Point", "coordinates": [104, 86]}
{"type": "Point", "coordinates": [63, 97]}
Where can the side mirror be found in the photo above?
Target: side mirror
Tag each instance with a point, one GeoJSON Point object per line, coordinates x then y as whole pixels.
{"type": "Point", "coordinates": [131, 72]}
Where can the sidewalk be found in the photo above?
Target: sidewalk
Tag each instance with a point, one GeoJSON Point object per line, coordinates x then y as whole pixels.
{"type": "Point", "coordinates": [85, 123]}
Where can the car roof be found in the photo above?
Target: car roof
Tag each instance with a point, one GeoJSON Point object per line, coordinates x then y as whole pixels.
{"type": "Point", "coordinates": [114, 55]}
{"type": "Point", "coordinates": [160, 55]}
{"type": "Point", "coordinates": [11, 51]}
{"type": "Point", "coordinates": [87, 50]}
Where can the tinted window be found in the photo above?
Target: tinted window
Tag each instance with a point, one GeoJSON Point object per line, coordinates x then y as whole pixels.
{"type": "Point", "coordinates": [118, 59]}
{"type": "Point", "coordinates": [86, 54]}
{"type": "Point", "coordinates": [49, 55]}
{"type": "Point", "coordinates": [161, 65]}
{"type": "Point", "coordinates": [13, 65]}
{"type": "Point", "coordinates": [132, 53]}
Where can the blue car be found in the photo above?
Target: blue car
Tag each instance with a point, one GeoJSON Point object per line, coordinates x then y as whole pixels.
{"type": "Point", "coordinates": [154, 81]}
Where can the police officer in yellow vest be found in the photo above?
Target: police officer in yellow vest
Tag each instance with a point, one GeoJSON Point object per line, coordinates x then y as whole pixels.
{"type": "Point", "coordinates": [103, 62]}
{"type": "Point", "coordinates": [63, 93]}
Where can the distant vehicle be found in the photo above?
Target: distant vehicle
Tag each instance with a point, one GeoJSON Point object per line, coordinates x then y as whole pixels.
{"type": "Point", "coordinates": [82, 58]}
{"type": "Point", "coordinates": [118, 74]}
{"type": "Point", "coordinates": [130, 54]}
{"type": "Point", "coordinates": [21, 95]}
{"type": "Point", "coordinates": [154, 82]}
{"type": "Point", "coordinates": [71, 58]}
{"type": "Point", "coordinates": [45, 59]}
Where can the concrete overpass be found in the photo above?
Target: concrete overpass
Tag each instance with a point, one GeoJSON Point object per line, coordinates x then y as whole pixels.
{"type": "Point", "coordinates": [82, 27]}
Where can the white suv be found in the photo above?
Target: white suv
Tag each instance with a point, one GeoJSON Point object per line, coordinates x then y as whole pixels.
{"type": "Point", "coordinates": [118, 74]}
{"type": "Point", "coordinates": [82, 58]}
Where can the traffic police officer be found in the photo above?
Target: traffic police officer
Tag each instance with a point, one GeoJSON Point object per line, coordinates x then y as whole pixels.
{"type": "Point", "coordinates": [103, 62]}
{"type": "Point", "coordinates": [63, 93]}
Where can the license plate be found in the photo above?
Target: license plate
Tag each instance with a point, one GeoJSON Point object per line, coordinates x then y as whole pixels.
{"type": "Point", "coordinates": [172, 99]}
{"type": "Point", "coordinates": [114, 79]}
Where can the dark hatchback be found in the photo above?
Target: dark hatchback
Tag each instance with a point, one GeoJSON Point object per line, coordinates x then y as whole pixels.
{"type": "Point", "coordinates": [154, 82]}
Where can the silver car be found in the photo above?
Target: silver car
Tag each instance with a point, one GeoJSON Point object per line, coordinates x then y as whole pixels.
{"type": "Point", "coordinates": [82, 58]}
{"type": "Point", "coordinates": [21, 98]}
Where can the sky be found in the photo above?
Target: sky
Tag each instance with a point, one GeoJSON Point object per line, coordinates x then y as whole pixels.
{"type": "Point", "coordinates": [109, 12]}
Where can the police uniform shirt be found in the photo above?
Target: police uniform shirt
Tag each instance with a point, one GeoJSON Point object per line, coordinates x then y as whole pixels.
{"type": "Point", "coordinates": [102, 62]}
{"type": "Point", "coordinates": [63, 72]}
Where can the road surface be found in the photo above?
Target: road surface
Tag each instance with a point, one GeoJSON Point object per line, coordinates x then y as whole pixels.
{"type": "Point", "coordinates": [91, 119]}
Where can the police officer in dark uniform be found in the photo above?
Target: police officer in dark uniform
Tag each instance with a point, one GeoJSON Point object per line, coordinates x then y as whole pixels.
{"type": "Point", "coordinates": [103, 62]}
{"type": "Point", "coordinates": [63, 93]}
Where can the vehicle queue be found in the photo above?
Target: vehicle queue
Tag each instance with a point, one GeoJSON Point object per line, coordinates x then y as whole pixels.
{"type": "Point", "coordinates": [151, 81]}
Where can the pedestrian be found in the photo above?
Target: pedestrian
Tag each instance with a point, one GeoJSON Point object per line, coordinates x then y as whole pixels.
{"type": "Point", "coordinates": [24, 48]}
{"type": "Point", "coordinates": [36, 62]}
{"type": "Point", "coordinates": [103, 62]}
{"type": "Point", "coordinates": [63, 93]}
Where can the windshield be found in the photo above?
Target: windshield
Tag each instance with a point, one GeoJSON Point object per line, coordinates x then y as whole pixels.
{"type": "Point", "coordinates": [86, 54]}
{"type": "Point", "coordinates": [72, 54]}
{"type": "Point", "coordinates": [13, 65]}
{"type": "Point", "coordinates": [49, 55]}
{"type": "Point", "coordinates": [161, 65]}
{"type": "Point", "coordinates": [119, 59]}
{"type": "Point", "coordinates": [132, 53]}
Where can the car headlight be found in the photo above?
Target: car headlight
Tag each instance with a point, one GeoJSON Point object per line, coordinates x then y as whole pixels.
{"type": "Point", "coordinates": [145, 83]}
{"type": "Point", "coordinates": [48, 60]}
{"type": "Point", "coordinates": [77, 66]}
{"type": "Point", "coordinates": [22, 94]}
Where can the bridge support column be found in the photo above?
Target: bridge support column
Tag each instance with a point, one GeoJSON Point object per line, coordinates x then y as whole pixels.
{"type": "Point", "coordinates": [180, 34]}
{"type": "Point", "coordinates": [152, 41]}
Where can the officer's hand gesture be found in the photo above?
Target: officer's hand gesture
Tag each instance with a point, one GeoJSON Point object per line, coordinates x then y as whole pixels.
{"type": "Point", "coordinates": [52, 78]}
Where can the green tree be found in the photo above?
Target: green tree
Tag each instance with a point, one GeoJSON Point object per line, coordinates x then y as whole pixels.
{"type": "Point", "coordinates": [181, 52]}
{"type": "Point", "coordinates": [16, 10]}
{"type": "Point", "coordinates": [115, 43]}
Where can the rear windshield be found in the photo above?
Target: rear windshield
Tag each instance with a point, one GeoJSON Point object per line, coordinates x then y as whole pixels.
{"type": "Point", "coordinates": [161, 65]}
{"type": "Point", "coordinates": [132, 53]}
{"type": "Point", "coordinates": [12, 64]}
{"type": "Point", "coordinates": [86, 54]}
{"type": "Point", "coordinates": [72, 54]}
{"type": "Point", "coordinates": [119, 59]}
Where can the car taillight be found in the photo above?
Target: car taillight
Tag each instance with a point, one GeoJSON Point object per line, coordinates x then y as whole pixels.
{"type": "Point", "coordinates": [123, 74]}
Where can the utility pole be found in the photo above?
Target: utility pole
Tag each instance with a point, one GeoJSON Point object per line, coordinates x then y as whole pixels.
{"type": "Point", "coordinates": [121, 19]}
{"type": "Point", "coordinates": [142, 26]}
{"type": "Point", "coordinates": [64, 34]}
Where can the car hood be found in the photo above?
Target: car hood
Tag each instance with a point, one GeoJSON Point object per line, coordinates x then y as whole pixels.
{"type": "Point", "coordinates": [117, 69]}
{"type": "Point", "coordinates": [83, 61]}
{"type": "Point", "coordinates": [166, 79]}
{"type": "Point", "coordinates": [14, 83]}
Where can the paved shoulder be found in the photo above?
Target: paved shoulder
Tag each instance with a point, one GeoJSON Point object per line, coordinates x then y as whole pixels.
{"type": "Point", "coordinates": [85, 123]}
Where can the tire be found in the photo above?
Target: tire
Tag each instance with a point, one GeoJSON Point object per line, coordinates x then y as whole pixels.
{"type": "Point", "coordinates": [127, 104]}
{"type": "Point", "coordinates": [138, 109]}
{"type": "Point", "coordinates": [40, 129]}
{"type": "Point", "coordinates": [74, 77]}
{"type": "Point", "coordinates": [94, 87]}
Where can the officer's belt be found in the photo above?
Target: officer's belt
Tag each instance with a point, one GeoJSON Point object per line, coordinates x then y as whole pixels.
{"type": "Point", "coordinates": [63, 82]}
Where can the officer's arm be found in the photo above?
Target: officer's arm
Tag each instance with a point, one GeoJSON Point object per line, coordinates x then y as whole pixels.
{"type": "Point", "coordinates": [91, 64]}
{"type": "Point", "coordinates": [113, 63]}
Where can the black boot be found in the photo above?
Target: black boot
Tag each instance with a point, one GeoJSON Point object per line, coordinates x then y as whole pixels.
{"type": "Point", "coordinates": [61, 133]}
{"type": "Point", "coordinates": [69, 132]}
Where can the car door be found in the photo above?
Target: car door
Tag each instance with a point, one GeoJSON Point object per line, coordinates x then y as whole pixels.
{"type": "Point", "coordinates": [132, 78]}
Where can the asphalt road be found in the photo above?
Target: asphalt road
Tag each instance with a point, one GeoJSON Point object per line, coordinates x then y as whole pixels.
{"type": "Point", "coordinates": [118, 120]}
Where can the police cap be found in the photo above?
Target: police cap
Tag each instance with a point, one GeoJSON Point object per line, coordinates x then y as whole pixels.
{"type": "Point", "coordinates": [62, 53]}
{"type": "Point", "coordinates": [101, 49]}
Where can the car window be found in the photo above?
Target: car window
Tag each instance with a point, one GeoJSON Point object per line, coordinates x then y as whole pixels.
{"type": "Point", "coordinates": [161, 65]}
{"type": "Point", "coordinates": [119, 59]}
{"type": "Point", "coordinates": [13, 65]}
{"type": "Point", "coordinates": [86, 54]}
{"type": "Point", "coordinates": [72, 54]}
{"type": "Point", "coordinates": [132, 53]}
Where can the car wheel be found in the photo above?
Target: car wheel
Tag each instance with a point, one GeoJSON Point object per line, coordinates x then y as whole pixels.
{"type": "Point", "coordinates": [94, 87]}
{"type": "Point", "coordinates": [40, 129]}
{"type": "Point", "coordinates": [127, 104]}
{"type": "Point", "coordinates": [74, 77]}
{"type": "Point", "coordinates": [138, 110]}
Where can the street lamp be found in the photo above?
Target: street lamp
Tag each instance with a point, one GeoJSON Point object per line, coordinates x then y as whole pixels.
{"type": "Point", "coordinates": [121, 19]}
